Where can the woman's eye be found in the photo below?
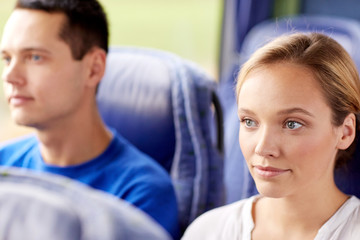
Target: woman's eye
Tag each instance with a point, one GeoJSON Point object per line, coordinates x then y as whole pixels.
{"type": "Point", "coordinates": [249, 123]}
{"type": "Point", "coordinates": [293, 125]}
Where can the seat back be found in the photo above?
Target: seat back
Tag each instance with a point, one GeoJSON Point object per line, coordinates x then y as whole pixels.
{"type": "Point", "coordinates": [168, 108]}
{"type": "Point", "coordinates": [347, 33]}
{"type": "Point", "coordinates": [344, 30]}
{"type": "Point", "coordinates": [344, 8]}
{"type": "Point", "coordinates": [39, 206]}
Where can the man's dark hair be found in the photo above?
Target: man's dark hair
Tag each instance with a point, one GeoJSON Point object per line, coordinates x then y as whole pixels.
{"type": "Point", "coordinates": [86, 25]}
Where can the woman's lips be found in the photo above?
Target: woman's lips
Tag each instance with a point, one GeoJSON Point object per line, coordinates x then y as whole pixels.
{"type": "Point", "coordinates": [269, 172]}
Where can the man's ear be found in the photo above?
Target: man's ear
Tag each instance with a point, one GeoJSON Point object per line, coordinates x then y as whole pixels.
{"type": "Point", "coordinates": [347, 132]}
{"type": "Point", "coordinates": [96, 63]}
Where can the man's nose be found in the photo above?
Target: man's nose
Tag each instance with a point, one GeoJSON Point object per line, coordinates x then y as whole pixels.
{"type": "Point", "coordinates": [13, 73]}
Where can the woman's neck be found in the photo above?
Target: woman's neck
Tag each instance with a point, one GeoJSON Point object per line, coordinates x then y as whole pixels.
{"type": "Point", "coordinates": [295, 216]}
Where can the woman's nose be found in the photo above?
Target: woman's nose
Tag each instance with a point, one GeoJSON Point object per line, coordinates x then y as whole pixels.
{"type": "Point", "coordinates": [267, 145]}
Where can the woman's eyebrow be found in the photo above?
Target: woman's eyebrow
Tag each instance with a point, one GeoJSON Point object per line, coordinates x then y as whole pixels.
{"type": "Point", "coordinates": [282, 112]}
{"type": "Point", "coordinates": [245, 111]}
{"type": "Point", "coordinates": [295, 110]}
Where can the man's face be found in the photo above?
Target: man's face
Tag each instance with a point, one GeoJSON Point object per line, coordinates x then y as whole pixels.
{"type": "Point", "coordinates": [43, 84]}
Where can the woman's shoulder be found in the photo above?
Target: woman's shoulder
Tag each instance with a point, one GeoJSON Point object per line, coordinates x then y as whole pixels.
{"type": "Point", "coordinates": [221, 221]}
{"type": "Point", "coordinates": [353, 209]}
{"type": "Point", "coordinates": [350, 211]}
{"type": "Point", "coordinates": [344, 224]}
{"type": "Point", "coordinates": [354, 200]}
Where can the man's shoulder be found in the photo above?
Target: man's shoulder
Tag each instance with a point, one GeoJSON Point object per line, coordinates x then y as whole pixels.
{"type": "Point", "coordinates": [135, 168]}
{"type": "Point", "coordinates": [142, 181]}
{"type": "Point", "coordinates": [22, 142]}
{"type": "Point", "coordinates": [17, 147]}
{"type": "Point", "coordinates": [132, 158]}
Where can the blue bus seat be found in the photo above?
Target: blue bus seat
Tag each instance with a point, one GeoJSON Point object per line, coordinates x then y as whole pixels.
{"type": "Point", "coordinates": [42, 206]}
{"type": "Point", "coordinates": [168, 108]}
{"type": "Point", "coordinates": [238, 181]}
{"type": "Point", "coordinates": [344, 30]}
{"type": "Point", "coordinates": [343, 8]}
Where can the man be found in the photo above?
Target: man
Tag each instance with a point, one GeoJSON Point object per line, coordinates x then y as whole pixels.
{"type": "Point", "coordinates": [55, 54]}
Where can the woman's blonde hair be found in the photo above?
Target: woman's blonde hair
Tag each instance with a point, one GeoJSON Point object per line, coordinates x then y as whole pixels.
{"type": "Point", "coordinates": [331, 65]}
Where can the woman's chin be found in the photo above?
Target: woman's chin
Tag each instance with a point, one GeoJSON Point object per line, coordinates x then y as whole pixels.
{"type": "Point", "coordinates": [270, 191]}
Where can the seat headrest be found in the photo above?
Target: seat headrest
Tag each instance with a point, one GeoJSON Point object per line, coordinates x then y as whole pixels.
{"type": "Point", "coordinates": [134, 97]}
{"type": "Point", "coordinates": [343, 30]}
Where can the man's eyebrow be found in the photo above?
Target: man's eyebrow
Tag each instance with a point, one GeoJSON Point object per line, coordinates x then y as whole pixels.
{"type": "Point", "coordinates": [3, 51]}
{"type": "Point", "coordinates": [32, 49]}
{"type": "Point", "coordinates": [295, 110]}
{"type": "Point", "coordinates": [28, 49]}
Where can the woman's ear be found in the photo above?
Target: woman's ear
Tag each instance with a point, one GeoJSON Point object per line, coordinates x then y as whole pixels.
{"type": "Point", "coordinates": [347, 132]}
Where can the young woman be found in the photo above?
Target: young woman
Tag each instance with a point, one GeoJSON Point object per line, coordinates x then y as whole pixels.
{"type": "Point", "coordinates": [298, 103]}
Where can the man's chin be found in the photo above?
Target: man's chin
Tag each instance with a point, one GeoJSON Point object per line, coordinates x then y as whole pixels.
{"type": "Point", "coordinates": [23, 121]}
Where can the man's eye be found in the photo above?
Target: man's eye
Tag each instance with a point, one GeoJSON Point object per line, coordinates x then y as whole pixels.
{"type": "Point", "coordinates": [293, 125]}
{"type": "Point", "coordinates": [6, 60]}
{"type": "Point", "coordinates": [35, 57]}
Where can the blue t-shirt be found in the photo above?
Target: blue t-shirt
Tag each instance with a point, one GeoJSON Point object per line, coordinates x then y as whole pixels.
{"type": "Point", "coordinates": [121, 170]}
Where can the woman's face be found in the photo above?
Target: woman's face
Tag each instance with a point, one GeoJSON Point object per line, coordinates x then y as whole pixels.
{"type": "Point", "coordinates": [286, 133]}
